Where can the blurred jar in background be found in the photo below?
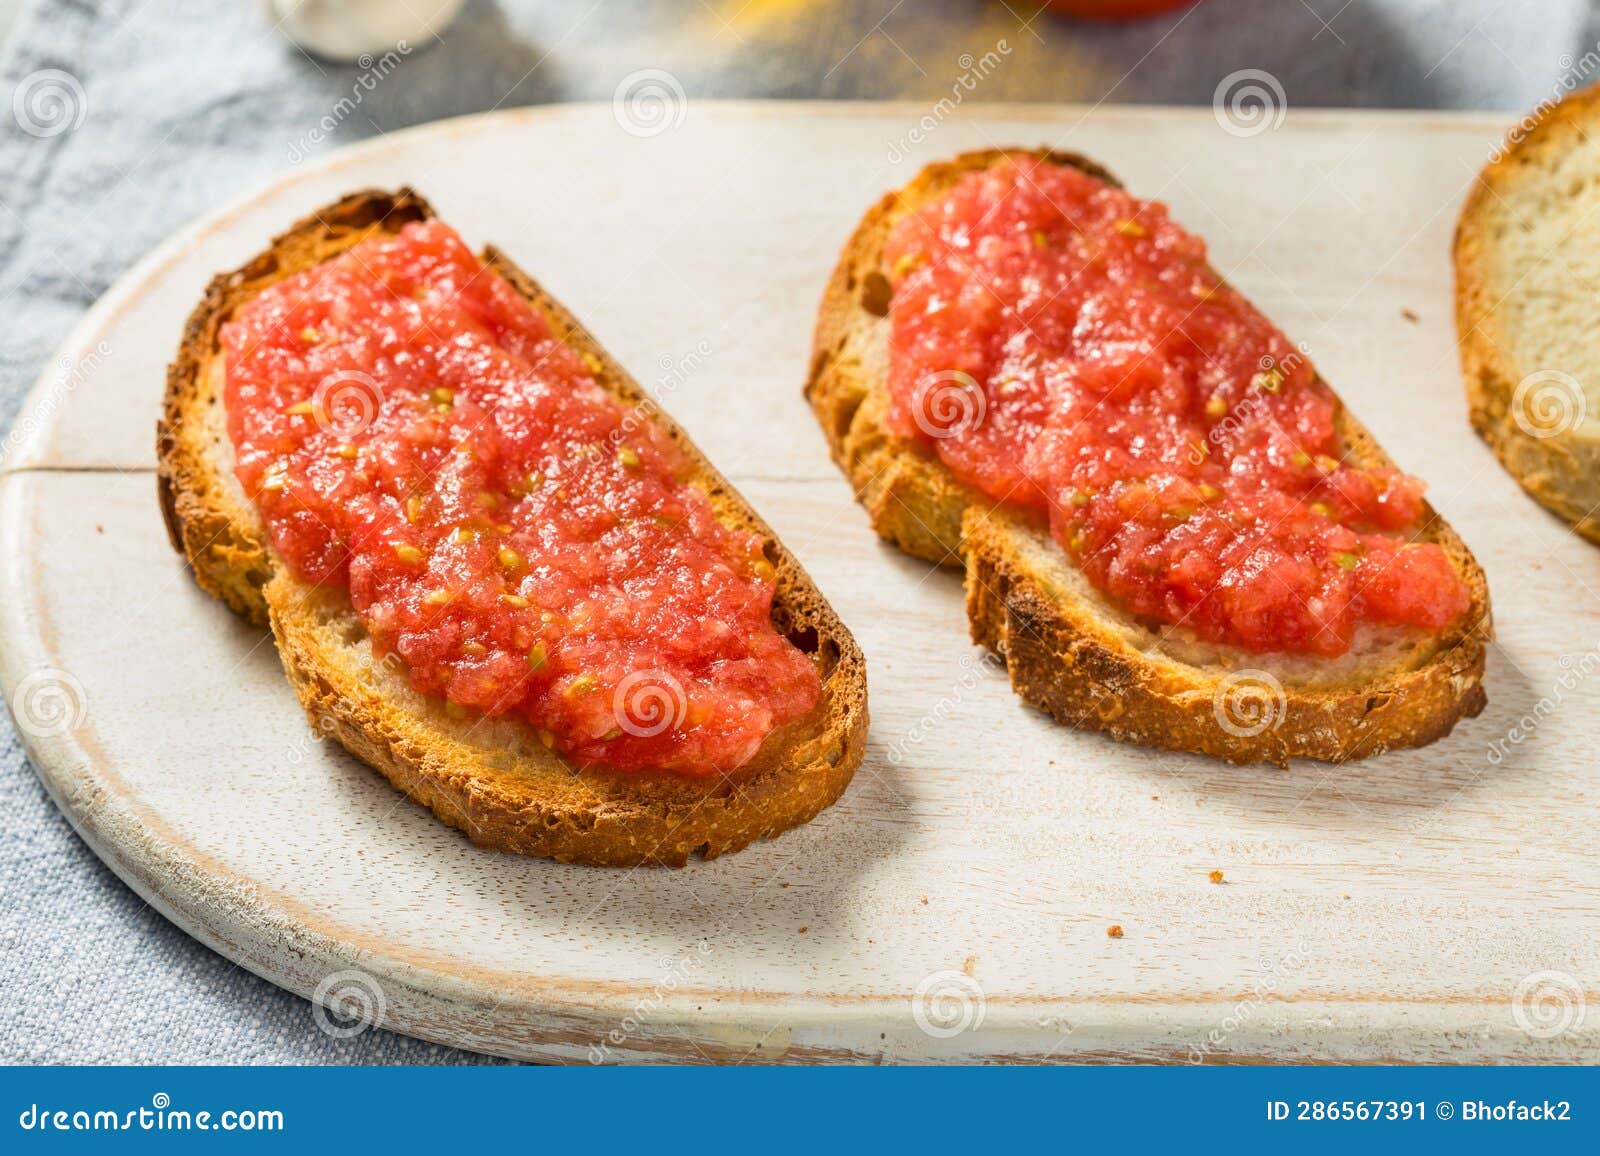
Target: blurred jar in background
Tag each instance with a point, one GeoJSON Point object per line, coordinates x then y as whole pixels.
{"type": "Point", "coordinates": [349, 29]}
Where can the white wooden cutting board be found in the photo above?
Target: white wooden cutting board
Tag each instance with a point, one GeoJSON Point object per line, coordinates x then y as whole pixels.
{"type": "Point", "coordinates": [1434, 905]}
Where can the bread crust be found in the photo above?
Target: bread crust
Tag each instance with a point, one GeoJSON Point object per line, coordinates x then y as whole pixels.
{"type": "Point", "coordinates": [1560, 471]}
{"type": "Point", "coordinates": [492, 779]}
{"type": "Point", "coordinates": [1068, 651]}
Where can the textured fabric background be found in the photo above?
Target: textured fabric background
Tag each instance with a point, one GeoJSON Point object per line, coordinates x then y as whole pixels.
{"type": "Point", "coordinates": [186, 105]}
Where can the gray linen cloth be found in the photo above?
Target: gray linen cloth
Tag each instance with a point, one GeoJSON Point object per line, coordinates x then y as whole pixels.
{"type": "Point", "coordinates": [128, 119]}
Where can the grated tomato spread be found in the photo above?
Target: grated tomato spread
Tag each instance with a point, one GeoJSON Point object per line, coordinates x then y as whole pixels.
{"type": "Point", "coordinates": [411, 428]}
{"type": "Point", "coordinates": [1066, 347]}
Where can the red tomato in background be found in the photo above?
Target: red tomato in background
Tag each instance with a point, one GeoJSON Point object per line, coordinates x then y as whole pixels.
{"type": "Point", "coordinates": [1115, 9]}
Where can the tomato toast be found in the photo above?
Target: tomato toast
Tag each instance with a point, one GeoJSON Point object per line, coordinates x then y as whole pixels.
{"type": "Point", "coordinates": [494, 570]}
{"type": "Point", "coordinates": [1172, 530]}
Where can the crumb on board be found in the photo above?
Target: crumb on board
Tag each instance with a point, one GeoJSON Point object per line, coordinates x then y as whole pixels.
{"type": "Point", "coordinates": [1115, 931]}
{"type": "Point", "coordinates": [1216, 877]}
{"type": "Point", "coordinates": [924, 900]}
{"type": "Point", "coordinates": [1410, 315]}
{"type": "Point", "coordinates": [969, 966]}
{"type": "Point", "coordinates": [803, 930]}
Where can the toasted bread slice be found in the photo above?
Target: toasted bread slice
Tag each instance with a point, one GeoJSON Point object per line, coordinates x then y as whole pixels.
{"type": "Point", "coordinates": [1069, 650]}
{"type": "Point", "coordinates": [492, 778]}
{"type": "Point", "coordinates": [1527, 256]}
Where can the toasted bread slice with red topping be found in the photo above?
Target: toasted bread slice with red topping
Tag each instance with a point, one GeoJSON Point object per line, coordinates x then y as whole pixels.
{"type": "Point", "coordinates": [1069, 649]}
{"type": "Point", "coordinates": [492, 778]}
{"type": "Point", "coordinates": [1524, 317]}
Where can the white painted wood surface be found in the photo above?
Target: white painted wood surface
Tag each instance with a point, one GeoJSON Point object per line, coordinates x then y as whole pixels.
{"type": "Point", "coordinates": [1425, 906]}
